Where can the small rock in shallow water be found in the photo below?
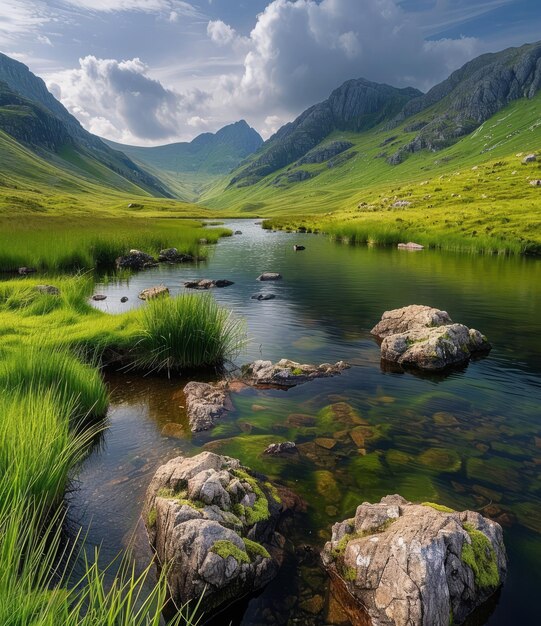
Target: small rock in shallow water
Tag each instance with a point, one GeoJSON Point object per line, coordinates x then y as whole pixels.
{"type": "Point", "coordinates": [207, 283]}
{"type": "Point", "coordinates": [287, 447]}
{"type": "Point", "coordinates": [99, 297]}
{"type": "Point", "coordinates": [205, 404]}
{"type": "Point", "coordinates": [298, 248]}
{"type": "Point", "coordinates": [269, 276]}
{"type": "Point", "coordinates": [263, 296]}
{"type": "Point", "coordinates": [286, 373]}
{"type": "Point", "coordinates": [124, 299]}
{"type": "Point", "coordinates": [154, 292]}
{"type": "Point", "coordinates": [173, 430]}
{"type": "Point", "coordinates": [410, 246]}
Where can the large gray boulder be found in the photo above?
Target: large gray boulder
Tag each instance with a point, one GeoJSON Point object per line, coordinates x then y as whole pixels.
{"type": "Point", "coordinates": [135, 260]}
{"type": "Point", "coordinates": [416, 565]}
{"type": "Point", "coordinates": [426, 338]}
{"type": "Point", "coordinates": [286, 373]}
{"type": "Point", "coordinates": [212, 524]}
{"type": "Point", "coordinates": [205, 404]}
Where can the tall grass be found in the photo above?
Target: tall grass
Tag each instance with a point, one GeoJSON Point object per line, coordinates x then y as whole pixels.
{"type": "Point", "coordinates": [58, 244]}
{"type": "Point", "coordinates": [188, 331]}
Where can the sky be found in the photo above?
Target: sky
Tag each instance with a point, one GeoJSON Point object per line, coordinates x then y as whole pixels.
{"type": "Point", "coordinates": [150, 72]}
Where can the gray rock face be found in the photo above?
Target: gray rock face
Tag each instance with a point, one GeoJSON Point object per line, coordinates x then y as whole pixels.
{"type": "Point", "coordinates": [286, 373]}
{"type": "Point", "coordinates": [154, 292]}
{"type": "Point", "coordinates": [205, 404]}
{"type": "Point", "coordinates": [207, 283]}
{"type": "Point", "coordinates": [172, 255]}
{"type": "Point", "coordinates": [213, 525]}
{"type": "Point", "coordinates": [426, 338]}
{"type": "Point", "coordinates": [416, 565]}
{"type": "Point", "coordinates": [325, 152]}
{"type": "Point", "coordinates": [135, 260]}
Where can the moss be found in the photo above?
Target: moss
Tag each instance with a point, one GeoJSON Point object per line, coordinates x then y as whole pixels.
{"type": "Point", "coordinates": [297, 371]}
{"type": "Point", "coordinates": [180, 498]}
{"type": "Point", "coordinates": [438, 507]}
{"type": "Point", "coordinates": [255, 549]}
{"type": "Point", "coordinates": [349, 574]}
{"type": "Point", "coordinates": [480, 557]}
{"type": "Point", "coordinates": [238, 510]}
{"type": "Point", "coordinates": [165, 493]}
{"type": "Point", "coordinates": [340, 548]}
{"type": "Point", "coordinates": [273, 492]}
{"type": "Point", "coordinates": [225, 549]}
{"type": "Point", "coordinates": [259, 512]}
{"type": "Point", "coordinates": [152, 516]}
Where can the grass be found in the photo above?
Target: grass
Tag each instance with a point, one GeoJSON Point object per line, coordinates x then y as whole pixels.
{"type": "Point", "coordinates": [59, 243]}
{"type": "Point", "coordinates": [472, 196]}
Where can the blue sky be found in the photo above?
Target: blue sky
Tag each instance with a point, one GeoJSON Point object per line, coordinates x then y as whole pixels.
{"type": "Point", "coordinates": [155, 71]}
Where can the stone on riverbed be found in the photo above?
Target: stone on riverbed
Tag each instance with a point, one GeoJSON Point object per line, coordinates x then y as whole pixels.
{"type": "Point", "coordinates": [416, 565]}
{"type": "Point", "coordinates": [207, 283]}
{"type": "Point", "coordinates": [426, 338]}
{"type": "Point", "coordinates": [286, 373]}
{"type": "Point", "coordinates": [285, 447]}
{"type": "Point", "coordinates": [205, 404]}
{"type": "Point", "coordinates": [212, 524]}
{"type": "Point", "coordinates": [135, 260]}
{"type": "Point", "coordinates": [154, 292]}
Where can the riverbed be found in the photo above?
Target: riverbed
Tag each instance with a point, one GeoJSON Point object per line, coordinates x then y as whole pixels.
{"type": "Point", "coordinates": [470, 439]}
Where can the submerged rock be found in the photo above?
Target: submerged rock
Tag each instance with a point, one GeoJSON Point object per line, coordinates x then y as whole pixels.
{"type": "Point", "coordinates": [275, 449]}
{"type": "Point", "coordinates": [269, 276]}
{"type": "Point", "coordinates": [207, 283]}
{"type": "Point", "coordinates": [416, 565]}
{"type": "Point", "coordinates": [205, 404]}
{"type": "Point", "coordinates": [172, 255]}
{"type": "Point", "coordinates": [212, 524]}
{"type": "Point", "coordinates": [154, 292]}
{"type": "Point", "coordinates": [135, 260]}
{"type": "Point", "coordinates": [286, 373]}
{"type": "Point", "coordinates": [263, 296]}
{"type": "Point", "coordinates": [426, 338]}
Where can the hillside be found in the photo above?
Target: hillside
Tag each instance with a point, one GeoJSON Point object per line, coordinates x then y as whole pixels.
{"type": "Point", "coordinates": [31, 115]}
{"type": "Point", "coordinates": [187, 167]}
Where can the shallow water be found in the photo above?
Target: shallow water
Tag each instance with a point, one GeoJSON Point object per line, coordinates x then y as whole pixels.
{"type": "Point", "coordinates": [467, 440]}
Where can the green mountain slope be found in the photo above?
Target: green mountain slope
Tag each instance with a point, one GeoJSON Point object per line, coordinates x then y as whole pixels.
{"type": "Point", "coordinates": [188, 167]}
{"type": "Point", "coordinates": [34, 117]}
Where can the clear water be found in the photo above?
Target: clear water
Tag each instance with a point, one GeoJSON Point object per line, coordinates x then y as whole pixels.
{"type": "Point", "coordinates": [468, 440]}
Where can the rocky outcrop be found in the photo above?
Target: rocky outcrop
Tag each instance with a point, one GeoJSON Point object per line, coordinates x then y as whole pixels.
{"type": "Point", "coordinates": [205, 404]}
{"type": "Point", "coordinates": [325, 152]}
{"type": "Point", "coordinates": [172, 255]}
{"type": "Point", "coordinates": [135, 260]}
{"type": "Point", "coordinates": [154, 292]}
{"type": "Point", "coordinates": [416, 565]}
{"type": "Point", "coordinates": [212, 524]}
{"type": "Point", "coordinates": [286, 373]}
{"type": "Point", "coordinates": [207, 283]}
{"type": "Point", "coordinates": [426, 338]}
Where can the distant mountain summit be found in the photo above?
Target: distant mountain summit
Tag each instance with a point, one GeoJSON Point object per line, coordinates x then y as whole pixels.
{"type": "Point", "coordinates": [357, 105]}
{"type": "Point", "coordinates": [209, 153]}
{"type": "Point", "coordinates": [33, 116]}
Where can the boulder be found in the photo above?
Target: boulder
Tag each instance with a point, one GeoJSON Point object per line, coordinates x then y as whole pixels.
{"type": "Point", "coordinates": [205, 404]}
{"type": "Point", "coordinates": [535, 183]}
{"type": "Point", "coordinates": [124, 299]}
{"type": "Point", "coordinates": [416, 565]}
{"type": "Point", "coordinates": [263, 296]}
{"type": "Point", "coordinates": [286, 373]}
{"type": "Point", "coordinates": [423, 337]}
{"type": "Point", "coordinates": [270, 276]}
{"type": "Point", "coordinates": [212, 524]}
{"type": "Point", "coordinates": [207, 283]}
{"type": "Point", "coordinates": [529, 158]}
{"type": "Point", "coordinates": [285, 447]}
{"type": "Point", "coordinates": [154, 292]}
{"type": "Point", "coordinates": [98, 297]}
{"type": "Point", "coordinates": [172, 255]}
{"type": "Point", "coordinates": [410, 246]}
{"type": "Point", "coordinates": [135, 260]}
{"type": "Point", "coordinates": [49, 290]}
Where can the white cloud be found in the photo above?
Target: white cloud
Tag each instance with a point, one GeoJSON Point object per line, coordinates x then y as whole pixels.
{"type": "Point", "coordinates": [171, 7]}
{"type": "Point", "coordinates": [221, 33]}
{"type": "Point", "coordinates": [120, 100]}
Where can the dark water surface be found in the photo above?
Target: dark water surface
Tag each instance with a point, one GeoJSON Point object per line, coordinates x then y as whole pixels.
{"type": "Point", "coordinates": [469, 440]}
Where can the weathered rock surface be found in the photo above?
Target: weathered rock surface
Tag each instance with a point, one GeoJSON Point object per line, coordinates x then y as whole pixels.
{"type": "Point", "coordinates": [205, 404]}
{"type": "Point", "coordinates": [172, 255]}
{"type": "Point", "coordinates": [213, 524]}
{"type": "Point", "coordinates": [135, 260]}
{"type": "Point", "coordinates": [154, 292]}
{"type": "Point", "coordinates": [207, 283]}
{"type": "Point", "coordinates": [416, 565]}
{"type": "Point", "coordinates": [285, 447]}
{"type": "Point", "coordinates": [286, 373]}
{"type": "Point", "coordinates": [49, 290]}
{"type": "Point", "coordinates": [426, 338]}
{"type": "Point", "coordinates": [270, 276]}
{"type": "Point", "coordinates": [410, 246]}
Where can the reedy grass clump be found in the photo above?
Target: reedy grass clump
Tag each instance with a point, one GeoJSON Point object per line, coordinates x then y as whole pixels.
{"type": "Point", "coordinates": [188, 331]}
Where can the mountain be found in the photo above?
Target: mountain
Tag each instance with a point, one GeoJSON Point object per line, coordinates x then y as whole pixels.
{"type": "Point", "coordinates": [189, 167]}
{"type": "Point", "coordinates": [357, 106]}
{"type": "Point", "coordinates": [32, 115]}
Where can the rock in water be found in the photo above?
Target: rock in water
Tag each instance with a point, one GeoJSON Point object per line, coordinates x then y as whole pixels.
{"type": "Point", "coordinates": [98, 297]}
{"type": "Point", "coordinates": [270, 276]}
{"type": "Point", "coordinates": [410, 246]}
{"type": "Point", "coordinates": [263, 296]}
{"type": "Point", "coordinates": [154, 292]}
{"type": "Point", "coordinates": [213, 525]}
{"type": "Point", "coordinates": [286, 373]}
{"type": "Point", "coordinates": [416, 565]}
{"type": "Point", "coordinates": [207, 283]}
{"type": "Point", "coordinates": [206, 404]}
{"type": "Point", "coordinates": [426, 338]}
{"type": "Point", "coordinates": [172, 255]}
{"type": "Point", "coordinates": [297, 248]}
{"type": "Point", "coordinates": [285, 447]}
{"type": "Point", "coordinates": [135, 260]}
